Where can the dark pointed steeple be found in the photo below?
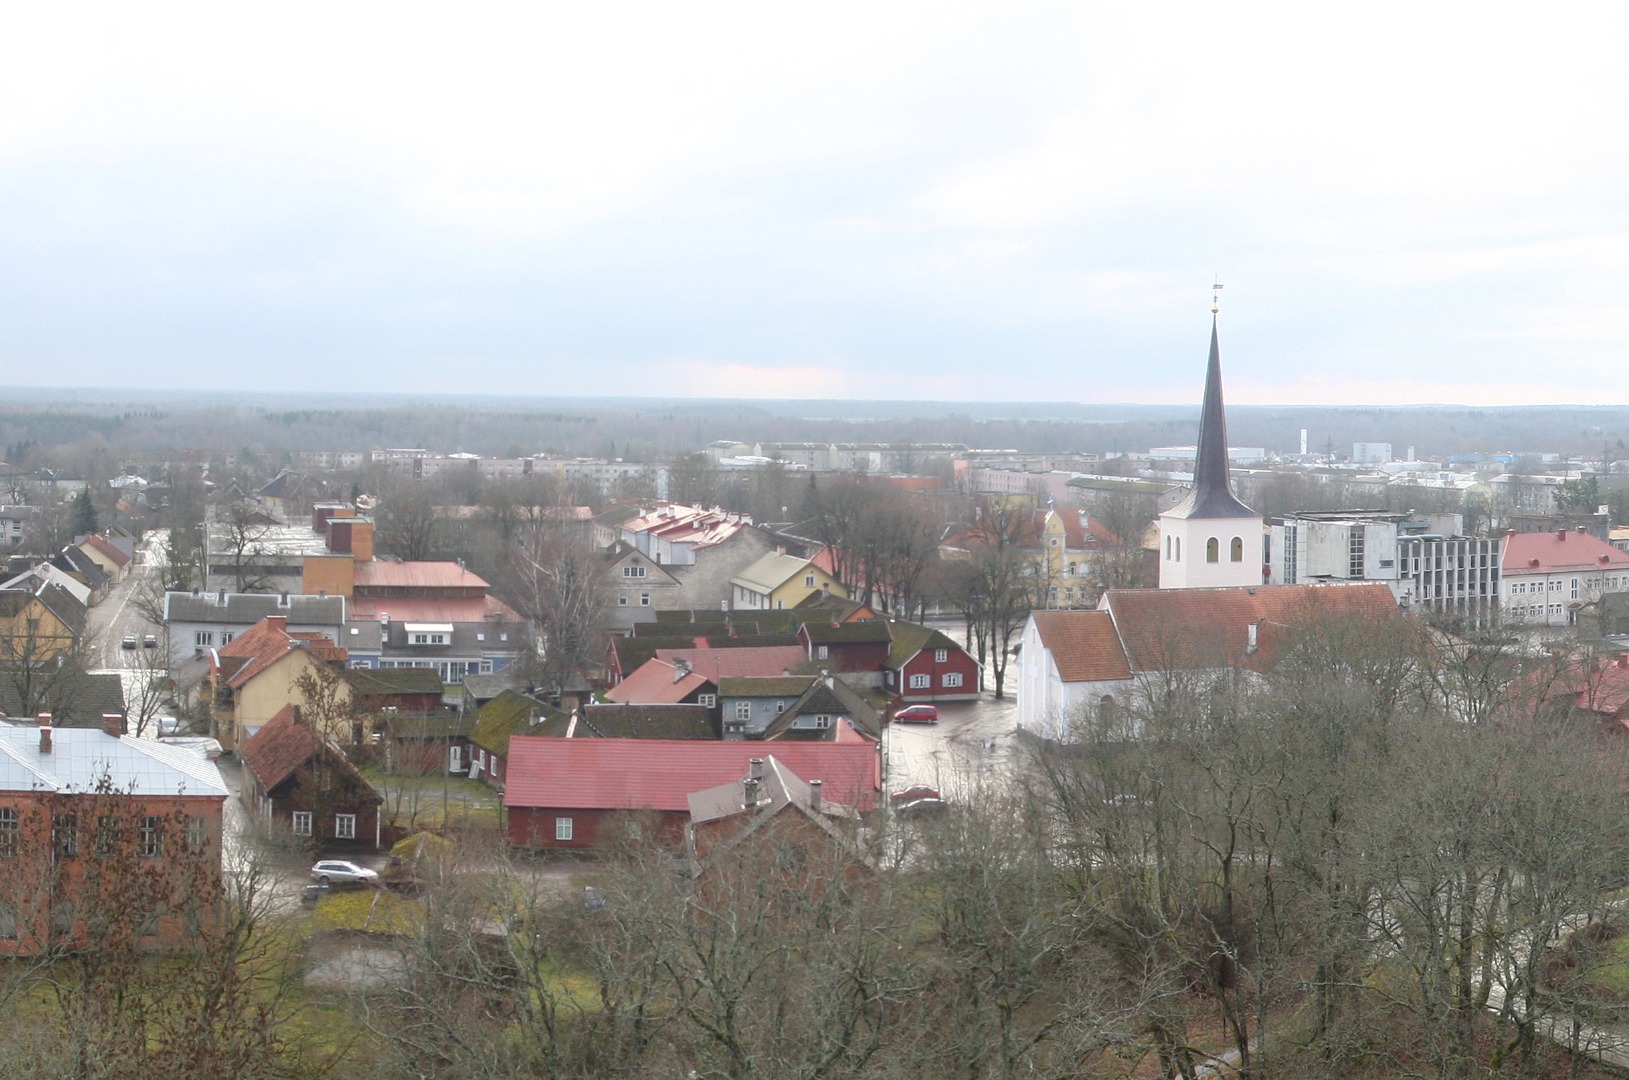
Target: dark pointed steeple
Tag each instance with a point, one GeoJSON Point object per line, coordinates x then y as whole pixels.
{"type": "Point", "coordinates": [1212, 495]}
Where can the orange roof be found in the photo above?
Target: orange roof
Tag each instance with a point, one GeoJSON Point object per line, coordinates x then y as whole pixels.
{"type": "Point", "coordinates": [1558, 552]}
{"type": "Point", "coordinates": [416, 575]}
{"type": "Point", "coordinates": [1176, 629]}
{"type": "Point", "coordinates": [1083, 645]}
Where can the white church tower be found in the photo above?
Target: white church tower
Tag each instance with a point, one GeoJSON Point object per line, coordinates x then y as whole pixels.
{"type": "Point", "coordinates": [1210, 539]}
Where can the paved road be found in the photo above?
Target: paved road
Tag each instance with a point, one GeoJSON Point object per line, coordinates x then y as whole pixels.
{"type": "Point", "coordinates": [119, 615]}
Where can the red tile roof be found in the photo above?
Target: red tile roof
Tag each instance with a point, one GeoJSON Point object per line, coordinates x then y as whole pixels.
{"type": "Point", "coordinates": [1083, 645]}
{"type": "Point", "coordinates": [1176, 629]}
{"type": "Point", "coordinates": [267, 642]}
{"type": "Point", "coordinates": [657, 774]}
{"type": "Point", "coordinates": [655, 682]}
{"type": "Point", "coordinates": [716, 664]}
{"type": "Point", "coordinates": [1558, 552]}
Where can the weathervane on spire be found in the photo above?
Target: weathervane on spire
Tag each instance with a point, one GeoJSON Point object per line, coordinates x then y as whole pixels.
{"type": "Point", "coordinates": [1216, 297]}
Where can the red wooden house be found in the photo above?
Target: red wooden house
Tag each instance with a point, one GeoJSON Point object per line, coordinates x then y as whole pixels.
{"type": "Point", "coordinates": [926, 665]}
{"type": "Point", "coordinates": [562, 792]}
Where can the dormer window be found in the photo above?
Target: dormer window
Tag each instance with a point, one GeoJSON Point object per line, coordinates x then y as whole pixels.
{"type": "Point", "coordinates": [429, 633]}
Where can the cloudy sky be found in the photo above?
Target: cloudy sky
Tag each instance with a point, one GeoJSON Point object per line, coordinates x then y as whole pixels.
{"type": "Point", "coordinates": [1406, 202]}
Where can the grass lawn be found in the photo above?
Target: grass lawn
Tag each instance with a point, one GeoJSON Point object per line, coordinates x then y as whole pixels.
{"type": "Point", "coordinates": [435, 801]}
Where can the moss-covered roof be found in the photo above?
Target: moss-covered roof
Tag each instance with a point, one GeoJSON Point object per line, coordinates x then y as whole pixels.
{"type": "Point", "coordinates": [510, 713]}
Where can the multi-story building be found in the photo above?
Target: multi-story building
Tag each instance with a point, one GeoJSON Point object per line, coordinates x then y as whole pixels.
{"type": "Point", "coordinates": [1549, 578]}
{"type": "Point", "coordinates": [1424, 559]}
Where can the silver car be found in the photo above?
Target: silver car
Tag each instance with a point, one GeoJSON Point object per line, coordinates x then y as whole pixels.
{"type": "Point", "coordinates": [338, 871]}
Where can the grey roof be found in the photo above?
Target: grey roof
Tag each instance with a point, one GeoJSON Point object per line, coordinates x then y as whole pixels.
{"type": "Point", "coordinates": [777, 787]}
{"type": "Point", "coordinates": [831, 697]}
{"type": "Point", "coordinates": [479, 688]}
{"type": "Point", "coordinates": [1212, 495]}
{"type": "Point", "coordinates": [74, 561]}
{"type": "Point", "coordinates": [82, 758]}
{"type": "Point", "coordinates": [74, 698]}
{"type": "Point", "coordinates": [250, 608]}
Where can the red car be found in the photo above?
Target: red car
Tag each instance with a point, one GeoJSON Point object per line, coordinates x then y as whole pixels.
{"type": "Point", "coordinates": [917, 714]}
{"type": "Point", "coordinates": [911, 794]}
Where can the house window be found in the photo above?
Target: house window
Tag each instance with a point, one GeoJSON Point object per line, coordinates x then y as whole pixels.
{"type": "Point", "coordinates": [1178, 549]}
{"type": "Point", "coordinates": [707, 701]}
{"type": "Point", "coordinates": [8, 922]}
{"type": "Point", "coordinates": [204, 638]}
{"type": "Point", "coordinates": [479, 636]}
{"type": "Point", "coordinates": [562, 828]}
{"type": "Point", "coordinates": [622, 600]}
{"type": "Point", "coordinates": [8, 833]}
{"type": "Point", "coordinates": [941, 655]}
{"type": "Point", "coordinates": [65, 836]}
{"type": "Point", "coordinates": [743, 710]}
{"type": "Point", "coordinates": [107, 836]}
{"type": "Point", "coordinates": [822, 721]}
{"type": "Point", "coordinates": [644, 599]}
{"type": "Point", "coordinates": [302, 823]}
{"type": "Point", "coordinates": [821, 653]}
{"type": "Point", "coordinates": [780, 707]}
{"type": "Point", "coordinates": [197, 834]}
{"type": "Point", "coordinates": [780, 603]}
{"type": "Point", "coordinates": [1236, 551]}
{"type": "Point", "coordinates": [226, 637]}
{"type": "Point", "coordinates": [1213, 550]}
{"type": "Point", "coordinates": [952, 679]}
{"type": "Point", "coordinates": [919, 682]}
{"type": "Point", "coordinates": [633, 571]}
{"type": "Point", "coordinates": [344, 826]}
{"type": "Point", "coordinates": [503, 636]}
{"type": "Point", "coordinates": [808, 581]}
{"type": "Point", "coordinates": [150, 837]}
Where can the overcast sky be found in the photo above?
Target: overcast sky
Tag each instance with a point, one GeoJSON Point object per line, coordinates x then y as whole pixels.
{"type": "Point", "coordinates": [1406, 202]}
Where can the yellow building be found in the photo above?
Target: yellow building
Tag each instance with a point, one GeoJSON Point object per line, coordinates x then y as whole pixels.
{"type": "Point", "coordinates": [779, 581]}
{"type": "Point", "coordinates": [265, 669]}
{"type": "Point", "coordinates": [38, 623]}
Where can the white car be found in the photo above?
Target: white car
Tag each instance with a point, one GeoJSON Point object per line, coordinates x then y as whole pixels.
{"type": "Point", "coordinates": [337, 871]}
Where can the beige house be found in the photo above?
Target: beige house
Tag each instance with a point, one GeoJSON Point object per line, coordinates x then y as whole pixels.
{"type": "Point", "coordinates": [266, 669]}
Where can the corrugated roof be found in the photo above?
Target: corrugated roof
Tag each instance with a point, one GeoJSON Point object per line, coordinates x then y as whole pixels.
{"type": "Point", "coordinates": [1083, 645]}
{"type": "Point", "coordinates": [770, 572]}
{"type": "Point", "coordinates": [415, 575]}
{"type": "Point", "coordinates": [81, 759]}
{"type": "Point", "coordinates": [473, 609]}
{"type": "Point", "coordinates": [716, 664]}
{"type": "Point", "coordinates": [654, 774]}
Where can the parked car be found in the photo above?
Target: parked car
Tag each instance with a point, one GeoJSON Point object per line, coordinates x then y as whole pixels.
{"type": "Point", "coordinates": [918, 791]}
{"type": "Point", "coordinates": [129, 642]}
{"type": "Point", "coordinates": [921, 808]}
{"type": "Point", "coordinates": [338, 871]}
{"type": "Point", "coordinates": [917, 714]}
{"type": "Point", "coordinates": [150, 641]}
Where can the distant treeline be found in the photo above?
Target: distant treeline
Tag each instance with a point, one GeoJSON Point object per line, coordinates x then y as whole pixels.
{"type": "Point", "coordinates": [648, 429]}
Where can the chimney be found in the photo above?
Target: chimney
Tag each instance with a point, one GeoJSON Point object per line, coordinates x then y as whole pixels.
{"type": "Point", "coordinates": [45, 733]}
{"type": "Point", "coordinates": [1561, 534]}
{"type": "Point", "coordinates": [755, 769]}
{"type": "Point", "coordinates": [1250, 631]}
{"type": "Point", "coordinates": [1623, 660]}
{"type": "Point", "coordinates": [814, 794]}
{"type": "Point", "coordinates": [113, 724]}
{"type": "Point", "coordinates": [299, 717]}
{"type": "Point", "coordinates": [749, 794]}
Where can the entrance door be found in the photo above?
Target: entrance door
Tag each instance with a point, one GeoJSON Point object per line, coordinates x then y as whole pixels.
{"type": "Point", "coordinates": [455, 758]}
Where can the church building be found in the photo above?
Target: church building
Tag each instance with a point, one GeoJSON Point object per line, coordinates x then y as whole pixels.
{"type": "Point", "coordinates": [1211, 540]}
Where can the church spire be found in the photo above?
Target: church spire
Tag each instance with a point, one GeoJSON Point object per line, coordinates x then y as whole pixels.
{"type": "Point", "coordinates": [1212, 495]}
